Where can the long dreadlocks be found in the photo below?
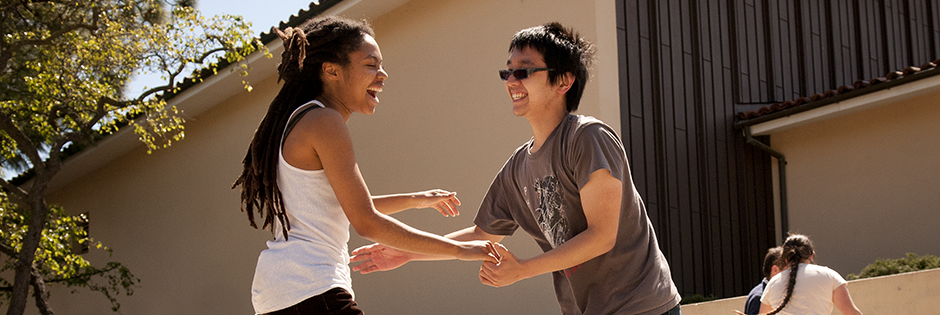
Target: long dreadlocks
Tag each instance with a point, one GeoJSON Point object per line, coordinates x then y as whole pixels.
{"type": "Point", "coordinates": [306, 48]}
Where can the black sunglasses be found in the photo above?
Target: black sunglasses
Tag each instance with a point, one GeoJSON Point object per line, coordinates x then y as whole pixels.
{"type": "Point", "coordinates": [520, 74]}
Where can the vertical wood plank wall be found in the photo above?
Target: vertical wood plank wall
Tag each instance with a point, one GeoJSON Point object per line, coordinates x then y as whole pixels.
{"type": "Point", "coordinates": [687, 67]}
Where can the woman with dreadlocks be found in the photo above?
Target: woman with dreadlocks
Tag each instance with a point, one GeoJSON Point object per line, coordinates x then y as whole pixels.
{"type": "Point", "coordinates": [804, 287]}
{"type": "Point", "coordinates": [301, 176]}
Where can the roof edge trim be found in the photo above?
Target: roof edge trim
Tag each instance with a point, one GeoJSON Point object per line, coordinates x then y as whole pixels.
{"type": "Point", "coordinates": [891, 92]}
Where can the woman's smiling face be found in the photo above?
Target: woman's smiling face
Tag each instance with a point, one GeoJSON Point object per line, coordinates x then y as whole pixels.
{"type": "Point", "coordinates": [364, 77]}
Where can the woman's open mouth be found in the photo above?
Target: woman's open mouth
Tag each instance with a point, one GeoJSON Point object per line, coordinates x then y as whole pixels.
{"type": "Point", "coordinates": [373, 91]}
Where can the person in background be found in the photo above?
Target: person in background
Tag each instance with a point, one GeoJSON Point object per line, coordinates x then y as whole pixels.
{"type": "Point", "coordinates": [301, 176]}
{"type": "Point", "coordinates": [805, 288]}
{"type": "Point", "coordinates": [569, 187]}
{"type": "Point", "coordinates": [770, 268]}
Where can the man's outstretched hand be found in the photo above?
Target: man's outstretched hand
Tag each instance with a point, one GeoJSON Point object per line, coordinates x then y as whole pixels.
{"type": "Point", "coordinates": [507, 271]}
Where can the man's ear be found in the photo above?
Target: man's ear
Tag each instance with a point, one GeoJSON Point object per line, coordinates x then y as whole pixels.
{"type": "Point", "coordinates": [566, 82]}
{"type": "Point", "coordinates": [330, 71]}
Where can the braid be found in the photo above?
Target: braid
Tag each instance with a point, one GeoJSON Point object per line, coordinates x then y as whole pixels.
{"type": "Point", "coordinates": [306, 48]}
{"type": "Point", "coordinates": [795, 249]}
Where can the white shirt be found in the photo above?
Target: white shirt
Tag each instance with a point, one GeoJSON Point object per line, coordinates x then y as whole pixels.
{"type": "Point", "coordinates": [315, 258]}
{"type": "Point", "coordinates": [812, 293]}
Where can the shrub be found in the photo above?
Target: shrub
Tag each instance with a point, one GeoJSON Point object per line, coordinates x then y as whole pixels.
{"type": "Point", "coordinates": [884, 267]}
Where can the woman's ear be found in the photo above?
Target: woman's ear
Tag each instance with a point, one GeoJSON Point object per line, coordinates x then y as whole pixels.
{"type": "Point", "coordinates": [330, 71]}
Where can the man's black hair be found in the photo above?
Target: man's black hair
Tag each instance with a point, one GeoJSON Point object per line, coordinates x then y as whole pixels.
{"type": "Point", "coordinates": [563, 51]}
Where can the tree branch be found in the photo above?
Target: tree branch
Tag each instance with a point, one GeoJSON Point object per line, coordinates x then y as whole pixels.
{"type": "Point", "coordinates": [174, 74]}
{"type": "Point", "coordinates": [19, 196]}
{"type": "Point", "coordinates": [100, 112]}
{"type": "Point", "coordinates": [5, 56]}
{"type": "Point", "coordinates": [23, 143]}
{"type": "Point", "coordinates": [9, 251]}
{"type": "Point", "coordinates": [39, 292]}
{"type": "Point", "coordinates": [145, 94]}
{"type": "Point", "coordinates": [199, 61]}
{"type": "Point", "coordinates": [209, 53]}
{"type": "Point", "coordinates": [84, 135]}
{"type": "Point", "coordinates": [87, 275]}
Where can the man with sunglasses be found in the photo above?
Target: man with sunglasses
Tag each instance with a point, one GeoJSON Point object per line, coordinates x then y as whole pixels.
{"type": "Point", "coordinates": [569, 187]}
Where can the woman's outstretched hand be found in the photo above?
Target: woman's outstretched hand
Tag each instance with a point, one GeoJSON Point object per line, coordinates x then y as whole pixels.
{"type": "Point", "coordinates": [443, 201]}
{"type": "Point", "coordinates": [378, 257]}
{"type": "Point", "coordinates": [479, 250]}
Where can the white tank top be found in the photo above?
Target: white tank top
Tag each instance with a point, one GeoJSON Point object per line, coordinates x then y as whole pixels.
{"type": "Point", "coordinates": [315, 258]}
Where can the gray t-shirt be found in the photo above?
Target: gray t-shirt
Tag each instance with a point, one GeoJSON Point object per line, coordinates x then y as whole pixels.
{"type": "Point", "coordinates": [540, 193]}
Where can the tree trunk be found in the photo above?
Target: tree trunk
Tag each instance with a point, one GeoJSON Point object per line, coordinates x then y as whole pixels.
{"type": "Point", "coordinates": [24, 264]}
{"type": "Point", "coordinates": [18, 296]}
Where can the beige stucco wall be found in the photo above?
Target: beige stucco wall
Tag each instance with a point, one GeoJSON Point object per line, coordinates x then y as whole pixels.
{"type": "Point", "coordinates": [909, 293]}
{"type": "Point", "coordinates": [864, 186]}
{"type": "Point", "coordinates": [444, 122]}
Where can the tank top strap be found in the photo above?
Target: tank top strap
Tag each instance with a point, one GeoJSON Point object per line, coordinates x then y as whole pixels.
{"type": "Point", "coordinates": [297, 114]}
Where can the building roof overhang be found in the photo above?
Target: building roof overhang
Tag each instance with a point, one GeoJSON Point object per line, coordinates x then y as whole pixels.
{"type": "Point", "coordinates": [878, 92]}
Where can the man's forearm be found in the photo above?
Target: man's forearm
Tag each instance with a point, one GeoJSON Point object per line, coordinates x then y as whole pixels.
{"type": "Point", "coordinates": [577, 250]}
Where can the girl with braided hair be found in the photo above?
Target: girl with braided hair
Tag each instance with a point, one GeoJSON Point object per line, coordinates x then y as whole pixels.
{"type": "Point", "coordinates": [300, 175]}
{"type": "Point", "coordinates": [804, 287]}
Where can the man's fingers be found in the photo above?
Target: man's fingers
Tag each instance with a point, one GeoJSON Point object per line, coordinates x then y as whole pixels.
{"type": "Point", "coordinates": [486, 278]}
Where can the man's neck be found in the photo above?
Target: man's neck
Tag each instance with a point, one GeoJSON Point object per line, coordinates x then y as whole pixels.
{"type": "Point", "coordinates": [543, 126]}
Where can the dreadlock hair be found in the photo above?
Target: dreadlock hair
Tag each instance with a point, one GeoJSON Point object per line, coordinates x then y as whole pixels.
{"type": "Point", "coordinates": [563, 51]}
{"type": "Point", "coordinates": [796, 248]}
{"type": "Point", "coordinates": [306, 48]}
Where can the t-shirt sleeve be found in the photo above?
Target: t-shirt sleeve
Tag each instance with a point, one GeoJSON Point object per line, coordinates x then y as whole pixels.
{"type": "Point", "coordinates": [773, 289]}
{"type": "Point", "coordinates": [596, 147]}
{"type": "Point", "coordinates": [494, 216]}
{"type": "Point", "coordinates": [837, 279]}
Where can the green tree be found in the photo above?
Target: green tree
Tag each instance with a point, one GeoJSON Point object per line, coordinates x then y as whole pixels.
{"type": "Point", "coordinates": [64, 65]}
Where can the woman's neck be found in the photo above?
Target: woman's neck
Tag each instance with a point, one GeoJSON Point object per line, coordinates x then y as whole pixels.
{"type": "Point", "coordinates": [331, 102]}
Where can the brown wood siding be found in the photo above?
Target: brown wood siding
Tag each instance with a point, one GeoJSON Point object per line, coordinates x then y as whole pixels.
{"type": "Point", "coordinates": [687, 67]}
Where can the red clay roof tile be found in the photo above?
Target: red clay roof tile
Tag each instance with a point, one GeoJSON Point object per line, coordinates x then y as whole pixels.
{"type": "Point", "coordinates": [857, 85]}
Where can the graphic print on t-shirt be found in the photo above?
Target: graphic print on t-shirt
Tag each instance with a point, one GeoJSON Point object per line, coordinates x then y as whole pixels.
{"type": "Point", "coordinates": [550, 213]}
